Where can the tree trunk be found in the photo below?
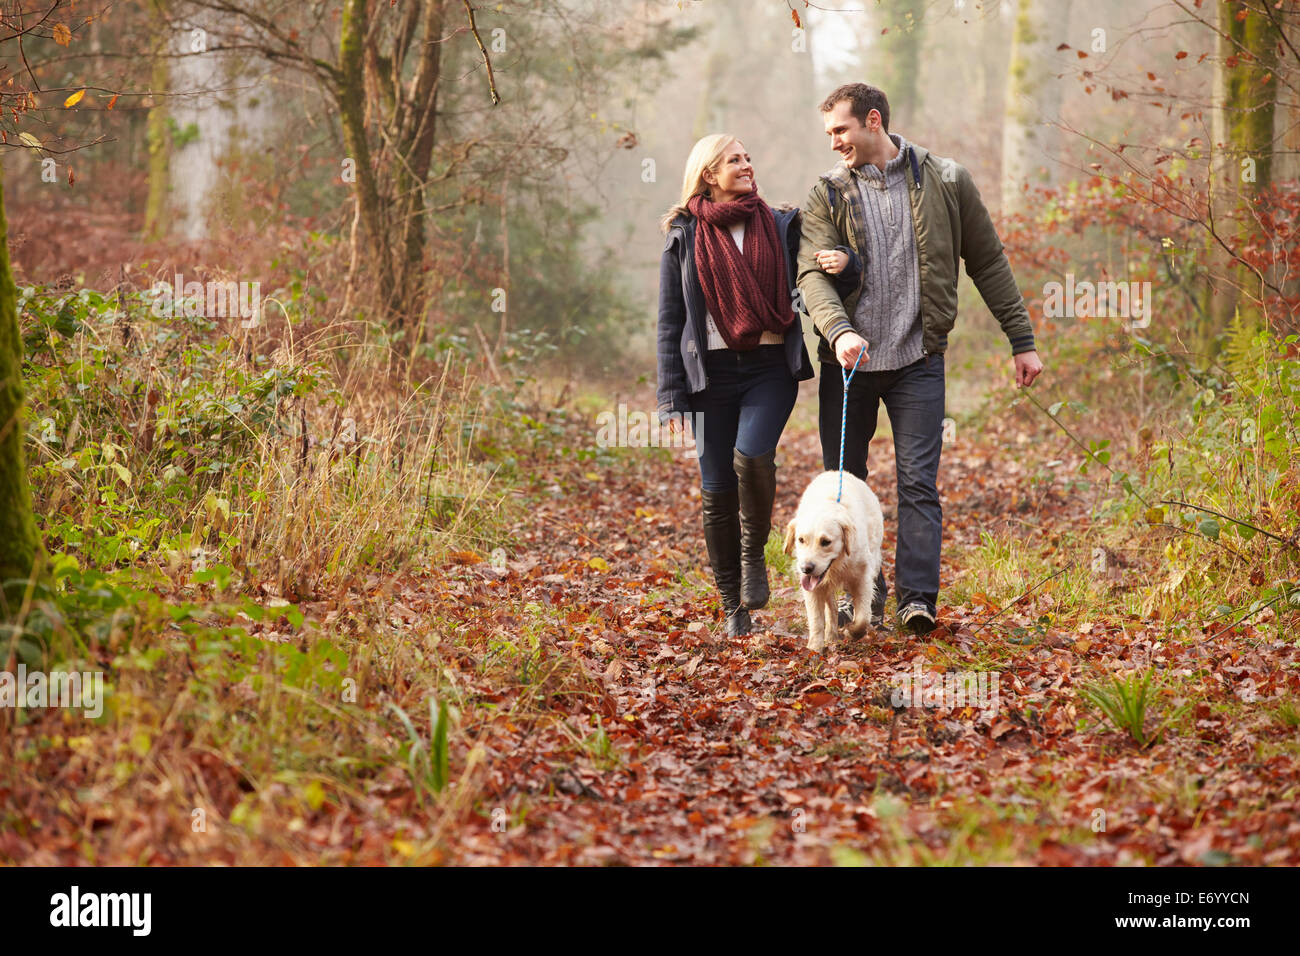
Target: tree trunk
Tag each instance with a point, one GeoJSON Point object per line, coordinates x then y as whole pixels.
{"type": "Point", "coordinates": [156, 210]}
{"type": "Point", "coordinates": [993, 96]}
{"type": "Point", "coordinates": [417, 138]}
{"type": "Point", "coordinates": [392, 218]}
{"type": "Point", "coordinates": [20, 546]}
{"type": "Point", "coordinates": [899, 65]}
{"type": "Point", "coordinates": [1031, 144]}
{"type": "Point", "coordinates": [1286, 146]}
{"type": "Point", "coordinates": [225, 127]}
{"type": "Point", "coordinates": [1286, 119]}
{"type": "Point", "coordinates": [1245, 95]}
{"type": "Point", "coordinates": [349, 94]}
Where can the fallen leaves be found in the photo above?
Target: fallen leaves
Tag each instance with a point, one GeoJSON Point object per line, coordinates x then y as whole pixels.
{"type": "Point", "coordinates": [616, 724]}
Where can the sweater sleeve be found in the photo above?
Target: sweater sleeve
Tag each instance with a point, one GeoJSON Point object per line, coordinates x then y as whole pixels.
{"type": "Point", "coordinates": [848, 278]}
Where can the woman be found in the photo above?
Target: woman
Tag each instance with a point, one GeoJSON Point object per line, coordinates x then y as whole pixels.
{"type": "Point", "coordinates": [731, 354]}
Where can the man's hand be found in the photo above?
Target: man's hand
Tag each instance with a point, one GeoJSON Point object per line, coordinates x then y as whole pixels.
{"type": "Point", "coordinates": [847, 347]}
{"type": "Point", "coordinates": [1028, 367]}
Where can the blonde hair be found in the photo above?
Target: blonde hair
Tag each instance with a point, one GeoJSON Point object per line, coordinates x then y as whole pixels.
{"type": "Point", "coordinates": [706, 156]}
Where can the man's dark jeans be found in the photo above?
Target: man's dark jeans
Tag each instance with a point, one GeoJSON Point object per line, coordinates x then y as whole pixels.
{"type": "Point", "coordinates": [914, 398]}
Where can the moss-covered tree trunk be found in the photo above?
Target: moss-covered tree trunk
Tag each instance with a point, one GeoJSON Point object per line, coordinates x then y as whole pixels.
{"type": "Point", "coordinates": [1031, 144]}
{"type": "Point", "coordinates": [158, 135]}
{"type": "Point", "coordinates": [350, 97]}
{"type": "Point", "coordinates": [20, 546]}
{"type": "Point", "coordinates": [1245, 96]}
{"type": "Point", "coordinates": [391, 181]}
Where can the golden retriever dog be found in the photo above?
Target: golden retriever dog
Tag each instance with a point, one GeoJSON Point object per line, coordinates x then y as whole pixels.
{"type": "Point", "coordinates": [836, 546]}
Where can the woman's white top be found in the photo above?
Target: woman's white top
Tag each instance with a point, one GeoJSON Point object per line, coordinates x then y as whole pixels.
{"type": "Point", "coordinates": [715, 339]}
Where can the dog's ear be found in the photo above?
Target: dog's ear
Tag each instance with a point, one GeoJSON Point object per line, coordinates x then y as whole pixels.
{"type": "Point", "coordinates": [846, 534]}
{"type": "Point", "coordinates": [789, 538]}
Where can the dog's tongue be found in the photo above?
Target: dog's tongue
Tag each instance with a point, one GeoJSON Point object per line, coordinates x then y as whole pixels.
{"type": "Point", "coordinates": [808, 581]}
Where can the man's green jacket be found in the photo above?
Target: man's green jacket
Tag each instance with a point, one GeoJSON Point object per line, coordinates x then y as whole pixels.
{"type": "Point", "coordinates": [950, 223]}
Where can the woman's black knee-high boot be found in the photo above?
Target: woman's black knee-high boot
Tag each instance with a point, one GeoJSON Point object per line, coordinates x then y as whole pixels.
{"type": "Point", "coordinates": [722, 537]}
{"type": "Point", "coordinates": [757, 489]}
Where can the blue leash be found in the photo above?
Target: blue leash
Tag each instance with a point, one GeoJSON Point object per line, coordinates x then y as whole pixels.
{"type": "Point", "coordinates": [844, 413]}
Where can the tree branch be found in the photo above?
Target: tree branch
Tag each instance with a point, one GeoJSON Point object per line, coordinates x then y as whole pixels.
{"type": "Point", "coordinates": [487, 62]}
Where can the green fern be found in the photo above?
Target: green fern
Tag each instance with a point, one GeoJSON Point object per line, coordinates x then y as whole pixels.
{"type": "Point", "coordinates": [1245, 350]}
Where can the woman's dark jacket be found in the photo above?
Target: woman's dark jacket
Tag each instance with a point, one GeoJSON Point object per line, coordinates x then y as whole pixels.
{"type": "Point", "coordinates": [683, 341]}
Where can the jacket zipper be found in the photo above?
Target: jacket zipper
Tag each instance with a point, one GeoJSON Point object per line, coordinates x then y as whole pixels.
{"type": "Point", "coordinates": [916, 241]}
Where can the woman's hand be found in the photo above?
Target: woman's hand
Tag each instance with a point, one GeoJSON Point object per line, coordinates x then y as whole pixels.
{"type": "Point", "coordinates": [832, 261]}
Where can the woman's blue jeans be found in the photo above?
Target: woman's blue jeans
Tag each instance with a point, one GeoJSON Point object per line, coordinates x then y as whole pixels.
{"type": "Point", "coordinates": [744, 407]}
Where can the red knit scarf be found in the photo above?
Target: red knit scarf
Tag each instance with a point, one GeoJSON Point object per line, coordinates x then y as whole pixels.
{"type": "Point", "coordinates": [747, 294]}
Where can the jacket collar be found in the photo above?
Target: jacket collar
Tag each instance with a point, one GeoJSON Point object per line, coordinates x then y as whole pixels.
{"type": "Point", "coordinates": [682, 227]}
{"type": "Point", "coordinates": [841, 177]}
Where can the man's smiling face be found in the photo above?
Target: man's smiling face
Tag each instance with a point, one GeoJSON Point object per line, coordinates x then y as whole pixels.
{"type": "Point", "coordinates": [849, 137]}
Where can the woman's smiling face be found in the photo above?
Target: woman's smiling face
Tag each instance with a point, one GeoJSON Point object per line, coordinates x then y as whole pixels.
{"type": "Point", "coordinates": [734, 175]}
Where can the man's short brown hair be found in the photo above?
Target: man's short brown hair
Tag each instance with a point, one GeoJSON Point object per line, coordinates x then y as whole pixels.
{"type": "Point", "coordinates": [863, 99]}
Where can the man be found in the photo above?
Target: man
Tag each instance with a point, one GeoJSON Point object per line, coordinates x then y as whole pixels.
{"type": "Point", "coordinates": [909, 216]}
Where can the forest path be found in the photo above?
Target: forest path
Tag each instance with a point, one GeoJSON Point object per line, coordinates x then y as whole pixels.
{"type": "Point", "coordinates": [691, 748]}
